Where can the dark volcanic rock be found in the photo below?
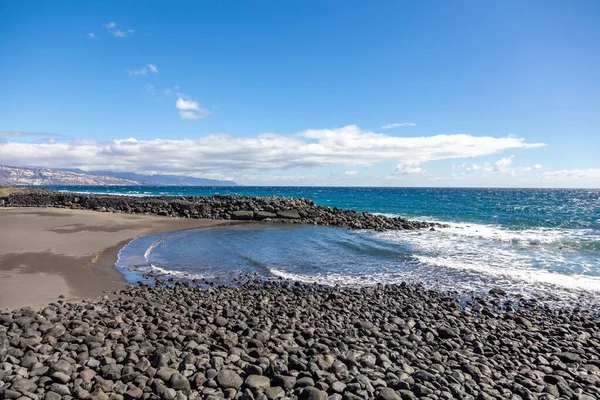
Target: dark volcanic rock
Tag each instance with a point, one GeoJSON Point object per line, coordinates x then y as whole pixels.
{"type": "Point", "coordinates": [282, 340]}
{"type": "Point", "coordinates": [242, 215]}
{"type": "Point", "coordinates": [229, 379]}
{"type": "Point", "coordinates": [497, 291]}
{"type": "Point", "coordinates": [260, 215]}
{"type": "Point", "coordinates": [312, 393]}
{"type": "Point", "coordinates": [271, 209]}
{"type": "Point", "coordinates": [292, 214]}
{"type": "Point", "coordinates": [257, 383]}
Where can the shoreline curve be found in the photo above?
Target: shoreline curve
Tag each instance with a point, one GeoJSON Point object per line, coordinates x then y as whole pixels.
{"type": "Point", "coordinates": [47, 253]}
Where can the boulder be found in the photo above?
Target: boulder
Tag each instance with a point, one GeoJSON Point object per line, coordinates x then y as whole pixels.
{"type": "Point", "coordinates": [257, 383]}
{"type": "Point", "coordinates": [179, 382]}
{"type": "Point", "coordinates": [243, 215]}
{"type": "Point", "coordinates": [291, 214]}
{"type": "Point", "coordinates": [260, 215]}
{"type": "Point", "coordinates": [24, 385]}
{"type": "Point", "coordinates": [312, 393]}
{"type": "Point", "coordinates": [228, 379]}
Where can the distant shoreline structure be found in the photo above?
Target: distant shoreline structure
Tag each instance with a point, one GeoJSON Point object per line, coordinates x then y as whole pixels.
{"type": "Point", "coordinates": [35, 176]}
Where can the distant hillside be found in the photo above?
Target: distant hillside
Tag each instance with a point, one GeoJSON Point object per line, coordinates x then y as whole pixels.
{"type": "Point", "coordinates": [47, 176]}
{"type": "Point", "coordinates": [164, 180]}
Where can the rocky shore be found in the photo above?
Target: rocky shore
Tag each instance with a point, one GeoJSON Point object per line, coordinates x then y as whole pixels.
{"type": "Point", "coordinates": [265, 209]}
{"type": "Point", "coordinates": [281, 340]}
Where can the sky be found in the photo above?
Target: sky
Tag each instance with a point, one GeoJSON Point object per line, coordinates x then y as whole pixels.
{"type": "Point", "coordinates": [302, 92]}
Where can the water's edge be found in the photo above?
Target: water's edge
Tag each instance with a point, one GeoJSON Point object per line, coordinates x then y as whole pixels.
{"type": "Point", "coordinates": [337, 256]}
{"type": "Point", "coordinates": [528, 242]}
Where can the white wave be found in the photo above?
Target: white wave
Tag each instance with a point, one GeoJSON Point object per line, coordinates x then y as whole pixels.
{"type": "Point", "coordinates": [526, 236]}
{"type": "Point", "coordinates": [463, 257]}
{"type": "Point", "coordinates": [156, 270]}
{"type": "Point", "coordinates": [524, 275]}
{"type": "Point", "coordinates": [422, 218]}
{"type": "Point", "coordinates": [125, 257]}
{"type": "Point", "coordinates": [533, 236]}
{"type": "Point", "coordinates": [130, 193]}
{"type": "Point", "coordinates": [151, 248]}
{"type": "Point", "coordinates": [389, 215]}
{"type": "Point", "coordinates": [530, 237]}
{"type": "Point", "coordinates": [520, 259]}
{"type": "Point", "coordinates": [339, 279]}
{"type": "Point", "coordinates": [531, 284]}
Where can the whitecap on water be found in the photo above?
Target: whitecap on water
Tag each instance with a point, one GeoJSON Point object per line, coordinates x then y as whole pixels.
{"type": "Point", "coordinates": [462, 257]}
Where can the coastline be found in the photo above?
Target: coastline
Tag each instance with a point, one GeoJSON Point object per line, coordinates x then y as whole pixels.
{"type": "Point", "coordinates": [262, 339]}
{"type": "Point", "coordinates": [47, 253]}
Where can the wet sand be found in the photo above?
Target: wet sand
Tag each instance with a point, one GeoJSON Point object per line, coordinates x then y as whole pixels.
{"type": "Point", "coordinates": [46, 253]}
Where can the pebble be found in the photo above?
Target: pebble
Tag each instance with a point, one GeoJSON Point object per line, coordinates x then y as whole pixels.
{"type": "Point", "coordinates": [229, 379]}
{"type": "Point", "coordinates": [272, 340]}
{"type": "Point", "coordinates": [257, 383]}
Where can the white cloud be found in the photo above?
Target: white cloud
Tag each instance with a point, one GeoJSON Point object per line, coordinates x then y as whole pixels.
{"type": "Point", "coordinates": [175, 91]}
{"type": "Point", "coordinates": [275, 179]}
{"type": "Point", "coordinates": [348, 146]}
{"type": "Point", "coordinates": [398, 125]}
{"type": "Point", "coordinates": [143, 70]}
{"type": "Point", "coordinates": [480, 167]}
{"type": "Point", "coordinates": [117, 31]}
{"type": "Point", "coordinates": [21, 134]}
{"type": "Point", "coordinates": [407, 168]}
{"type": "Point", "coordinates": [375, 146]}
{"type": "Point", "coordinates": [92, 35]}
{"type": "Point", "coordinates": [189, 109]}
{"type": "Point", "coordinates": [150, 88]}
{"type": "Point", "coordinates": [503, 163]}
{"type": "Point", "coordinates": [351, 173]}
{"type": "Point", "coordinates": [531, 168]}
{"type": "Point", "coordinates": [187, 105]}
{"type": "Point", "coordinates": [503, 170]}
{"type": "Point", "coordinates": [568, 175]}
{"type": "Point", "coordinates": [190, 115]}
{"type": "Point", "coordinates": [527, 176]}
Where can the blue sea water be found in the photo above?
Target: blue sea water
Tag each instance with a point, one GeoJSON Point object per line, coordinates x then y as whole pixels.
{"type": "Point", "coordinates": [526, 241]}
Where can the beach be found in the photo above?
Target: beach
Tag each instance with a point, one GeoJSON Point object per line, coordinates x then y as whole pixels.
{"type": "Point", "coordinates": [286, 340]}
{"type": "Point", "coordinates": [75, 329]}
{"type": "Point", "coordinates": [47, 253]}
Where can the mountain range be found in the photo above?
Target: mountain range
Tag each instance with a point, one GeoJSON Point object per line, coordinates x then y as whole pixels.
{"type": "Point", "coordinates": [36, 176]}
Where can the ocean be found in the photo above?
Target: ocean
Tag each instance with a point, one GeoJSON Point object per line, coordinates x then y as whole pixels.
{"type": "Point", "coordinates": [525, 241]}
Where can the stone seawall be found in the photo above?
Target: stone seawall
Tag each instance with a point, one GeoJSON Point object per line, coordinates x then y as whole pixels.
{"type": "Point", "coordinates": [265, 209]}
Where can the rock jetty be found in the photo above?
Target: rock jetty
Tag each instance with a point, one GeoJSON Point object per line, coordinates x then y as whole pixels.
{"type": "Point", "coordinates": [265, 209]}
{"type": "Point", "coordinates": [281, 340]}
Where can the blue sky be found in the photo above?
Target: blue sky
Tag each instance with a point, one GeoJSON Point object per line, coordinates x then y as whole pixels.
{"type": "Point", "coordinates": [387, 93]}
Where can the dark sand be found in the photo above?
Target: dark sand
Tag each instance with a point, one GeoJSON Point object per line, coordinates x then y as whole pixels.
{"type": "Point", "coordinates": [45, 253]}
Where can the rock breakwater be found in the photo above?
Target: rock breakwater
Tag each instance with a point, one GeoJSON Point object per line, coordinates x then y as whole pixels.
{"type": "Point", "coordinates": [266, 209]}
{"type": "Point", "coordinates": [281, 340]}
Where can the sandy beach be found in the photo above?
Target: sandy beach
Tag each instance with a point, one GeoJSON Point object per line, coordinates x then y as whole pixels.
{"type": "Point", "coordinates": [46, 253]}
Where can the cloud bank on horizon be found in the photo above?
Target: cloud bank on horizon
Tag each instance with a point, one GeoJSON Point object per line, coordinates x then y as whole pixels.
{"type": "Point", "coordinates": [270, 154]}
